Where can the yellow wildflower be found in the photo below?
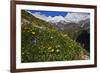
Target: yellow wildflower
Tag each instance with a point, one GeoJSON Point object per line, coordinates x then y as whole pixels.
{"type": "Point", "coordinates": [52, 50]}
{"type": "Point", "coordinates": [57, 50]}
{"type": "Point", "coordinates": [49, 47]}
{"type": "Point", "coordinates": [33, 32]}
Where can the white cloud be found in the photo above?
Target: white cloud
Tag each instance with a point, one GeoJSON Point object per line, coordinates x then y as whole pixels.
{"type": "Point", "coordinates": [76, 17]}
{"type": "Point", "coordinates": [40, 16]}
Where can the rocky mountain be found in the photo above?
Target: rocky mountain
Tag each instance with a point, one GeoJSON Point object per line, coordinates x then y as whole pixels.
{"type": "Point", "coordinates": [84, 24]}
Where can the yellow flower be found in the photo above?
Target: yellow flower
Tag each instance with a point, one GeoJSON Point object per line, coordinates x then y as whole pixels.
{"type": "Point", "coordinates": [52, 50]}
{"type": "Point", "coordinates": [57, 50]}
{"type": "Point", "coordinates": [49, 47]}
{"type": "Point", "coordinates": [33, 32]}
{"type": "Point", "coordinates": [51, 37]}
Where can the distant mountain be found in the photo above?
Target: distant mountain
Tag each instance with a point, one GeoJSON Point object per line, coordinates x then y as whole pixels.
{"type": "Point", "coordinates": [74, 17]}
{"type": "Point", "coordinates": [41, 41]}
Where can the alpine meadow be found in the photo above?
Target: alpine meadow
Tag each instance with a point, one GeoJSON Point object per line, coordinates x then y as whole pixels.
{"type": "Point", "coordinates": [54, 36]}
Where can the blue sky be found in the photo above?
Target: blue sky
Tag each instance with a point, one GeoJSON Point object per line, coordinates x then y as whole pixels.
{"type": "Point", "coordinates": [50, 13]}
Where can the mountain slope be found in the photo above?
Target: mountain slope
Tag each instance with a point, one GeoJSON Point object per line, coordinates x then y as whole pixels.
{"type": "Point", "coordinates": [43, 42]}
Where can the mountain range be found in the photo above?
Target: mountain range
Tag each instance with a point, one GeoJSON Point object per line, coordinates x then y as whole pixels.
{"type": "Point", "coordinates": [72, 20]}
{"type": "Point", "coordinates": [74, 17]}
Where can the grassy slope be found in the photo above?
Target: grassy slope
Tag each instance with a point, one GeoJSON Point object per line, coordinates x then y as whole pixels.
{"type": "Point", "coordinates": [43, 42]}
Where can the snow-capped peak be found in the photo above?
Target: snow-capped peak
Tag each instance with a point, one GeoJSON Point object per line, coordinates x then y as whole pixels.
{"type": "Point", "coordinates": [70, 17]}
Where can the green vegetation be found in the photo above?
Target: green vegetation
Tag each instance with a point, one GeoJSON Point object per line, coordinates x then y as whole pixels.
{"type": "Point", "coordinates": [40, 42]}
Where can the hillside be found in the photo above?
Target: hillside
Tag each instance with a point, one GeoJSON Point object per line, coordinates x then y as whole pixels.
{"type": "Point", "coordinates": [40, 41]}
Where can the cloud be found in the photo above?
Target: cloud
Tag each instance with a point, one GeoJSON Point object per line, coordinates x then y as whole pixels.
{"type": "Point", "coordinates": [76, 17]}
{"type": "Point", "coordinates": [40, 16]}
